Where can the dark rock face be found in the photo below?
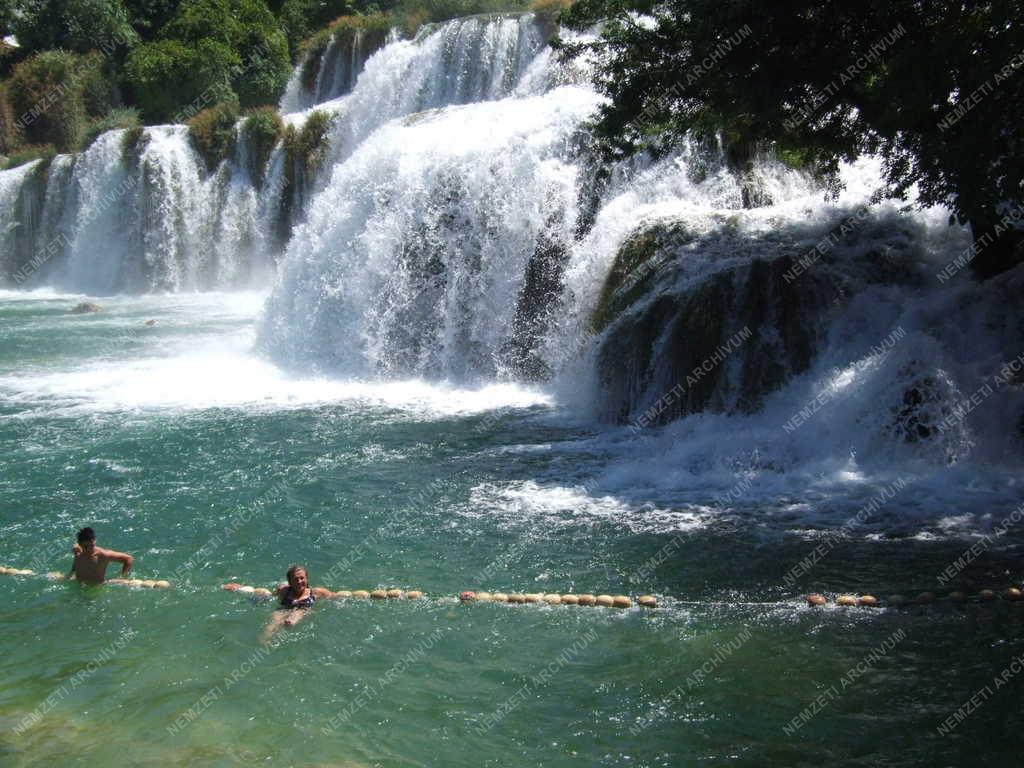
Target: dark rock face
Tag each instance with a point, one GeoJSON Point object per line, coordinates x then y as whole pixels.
{"type": "Point", "coordinates": [85, 308]}
{"type": "Point", "coordinates": [693, 324]}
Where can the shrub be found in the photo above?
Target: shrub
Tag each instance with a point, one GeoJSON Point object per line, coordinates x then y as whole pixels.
{"type": "Point", "coordinates": [301, 18]}
{"type": "Point", "coordinates": [261, 129]}
{"type": "Point", "coordinates": [53, 95]}
{"type": "Point", "coordinates": [132, 144]}
{"type": "Point", "coordinates": [307, 146]}
{"type": "Point", "coordinates": [117, 118]}
{"type": "Point", "coordinates": [29, 152]}
{"type": "Point", "coordinates": [213, 132]}
{"type": "Point", "coordinates": [374, 29]}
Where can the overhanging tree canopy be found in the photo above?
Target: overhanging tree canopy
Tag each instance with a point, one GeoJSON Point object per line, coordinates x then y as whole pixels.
{"type": "Point", "coordinates": [936, 88]}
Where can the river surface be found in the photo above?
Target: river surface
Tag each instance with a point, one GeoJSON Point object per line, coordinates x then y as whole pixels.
{"type": "Point", "coordinates": [179, 444]}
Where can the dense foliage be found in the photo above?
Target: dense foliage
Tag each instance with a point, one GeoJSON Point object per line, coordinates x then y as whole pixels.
{"type": "Point", "coordinates": [931, 86]}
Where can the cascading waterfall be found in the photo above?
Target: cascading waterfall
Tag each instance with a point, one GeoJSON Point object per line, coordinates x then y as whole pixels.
{"type": "Point", "coordinates": [457, 231]}
{"type": "Point", "coordinates": [149, 218]}
{"type": "Point", "coordinates": [413, 258]}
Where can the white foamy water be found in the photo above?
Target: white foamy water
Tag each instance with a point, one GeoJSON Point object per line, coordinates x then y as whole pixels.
{"type": "Point", "coordinates": [199, 355]}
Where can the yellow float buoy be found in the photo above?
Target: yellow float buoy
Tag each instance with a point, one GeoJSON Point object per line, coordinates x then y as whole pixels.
{"type": "Point", "coordinates": [816, 600]}
{"type": "Point", "coordinates": [259, 592]}
{"type": "Point", "coordinates": [553, 599]}
{"type": "Point", "coordinates": [361, 594]}
{"type": "Point", "coordinates": [164, 584]}
{"type": "Point", "coordinates": [378, 594]}
{"type": "Point", "coordinates": [897, 600]}
{"type": "Point", "coordinates": [483, 597]}
{"type": "Point", "coordinates": [987, 595]}
{"type": "Point", "coordinates": [1012, 594]}
{"type": "Point", "coordinates": [621, 601]}
{"type": "Point", "coordinates": [585, 600]}
{"type": "Point", "coordinates": [243, 590]}
{"type": "Point", "coordinates": [343, 593]}
{"type": "Point", "coordinates": [925, 598]}
{"type": "Point", "coordinates": [55, 576]}
{"type": "Point", "coordinates": [499, 597]}
{"type": "Point", "coordinates": [868, 601]}
{"type": "Point", "coordinates": [605, 601]}
{"type": "Point", "coordinates": [647, 601]}
{"type": "Point", "coordinates": [394, 593]}
{"type": "Point", "coordinates": [413, 594]}
{"type": "Point", "coordinates": [958, 596]}
{"type": "Point", "coordinates": [570, 600]}
{"type": "Point", "coordinates": [533, 597]}
{"type": "Point", "coordinates": [517, 598]}
{"type": "Point", "coordinates": [846, 600]}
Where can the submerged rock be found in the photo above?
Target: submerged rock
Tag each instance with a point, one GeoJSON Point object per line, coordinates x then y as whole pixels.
{"type": "Point", "coordinates": [85, 308]}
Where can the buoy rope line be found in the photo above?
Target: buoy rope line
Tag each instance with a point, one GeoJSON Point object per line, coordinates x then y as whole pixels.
{"type": "Point", "coordinates": [814, 600]}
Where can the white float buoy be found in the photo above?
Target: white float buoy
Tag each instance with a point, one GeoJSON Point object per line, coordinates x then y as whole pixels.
{"type": "Point", "coordinates": [647, 601]}
{"type": "Point", "coordinates": [394, 593]}
{"type": "Point", "coordinates": [553, 599]}
{"type": "Point", "coordinates": [605, 601]}
{"type": "Point", "coordinates": [413, 594]}
{"type": "Point", "coordinates": [621, 601]}
{"type": "Point", "coordinates": [361, 594]}
{"type": "Point", "coordinates": [378, 594]}
{"type": "Point", "coordinates": [570, 600]}
{"type": "Point", "coordinates": [586, 599]}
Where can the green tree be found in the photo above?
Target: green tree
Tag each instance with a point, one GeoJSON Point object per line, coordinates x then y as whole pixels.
{"type": "Point", "coordinates": [77, 25]}
{"type": "Point", "coordinates": [934, 87]}
{"type": "Point", "coordinates": [168, 76]}
{"type": "Point", "coordinates": [212, 50]}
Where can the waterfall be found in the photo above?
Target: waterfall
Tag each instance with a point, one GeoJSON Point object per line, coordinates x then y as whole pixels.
{"type": "Point", "coordinates": [21, 201]}
{"type": "Point", "coordinates": [414, 257]}
{"type": "Point", "coordinates": [139, 212]}
{"type": "Point", "coordinates": [451, 221]}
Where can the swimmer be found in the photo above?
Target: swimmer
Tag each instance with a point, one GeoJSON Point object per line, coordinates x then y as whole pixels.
{"type": "Point", "coordinates": [90, 563]}
{"type": "Point", "coordinates": [295, 597]}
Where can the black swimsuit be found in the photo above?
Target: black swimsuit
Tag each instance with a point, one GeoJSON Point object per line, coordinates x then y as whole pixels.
{"type": "Point", "coordinates": [305, 602]}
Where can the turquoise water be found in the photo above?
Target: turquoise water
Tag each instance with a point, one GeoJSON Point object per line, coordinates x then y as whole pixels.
{"type": "Point", "coordinates": [181, 446]}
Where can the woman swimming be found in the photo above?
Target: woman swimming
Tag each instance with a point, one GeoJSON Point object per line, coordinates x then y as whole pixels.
{"type": "Point", "coordinates": [295, 597]}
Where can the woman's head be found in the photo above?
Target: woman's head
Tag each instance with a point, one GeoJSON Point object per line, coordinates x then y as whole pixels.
{"type": "Point", "coordinates": [297, 577]}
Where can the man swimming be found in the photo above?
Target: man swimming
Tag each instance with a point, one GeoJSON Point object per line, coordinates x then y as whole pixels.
{"type": "Point", "coordinates": [90, 563]}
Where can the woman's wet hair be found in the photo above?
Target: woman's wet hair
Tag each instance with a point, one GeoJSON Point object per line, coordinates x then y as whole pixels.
{"type": "Point", "coordinates": [295, 569]}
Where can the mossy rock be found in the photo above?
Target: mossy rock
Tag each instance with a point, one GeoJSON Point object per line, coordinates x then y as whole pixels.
{"type": "Point", "coordinates": [637, 264]}
{"type": "Point", "coordinates": [262, 129]}
{"type": "Point", "coordinates": [213, 132]}
{"type": "Point", "coordinates": [133, 144]}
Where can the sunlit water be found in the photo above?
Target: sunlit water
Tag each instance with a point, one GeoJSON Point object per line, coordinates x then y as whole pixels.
{"type": "Point", "coordinates": [181, 445]}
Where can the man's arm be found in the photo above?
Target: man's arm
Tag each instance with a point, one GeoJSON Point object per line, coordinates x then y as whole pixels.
{"type": "Point", "coordinates": [75, 552]}
{"type": "Point", "coordinates": [126, 561]}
